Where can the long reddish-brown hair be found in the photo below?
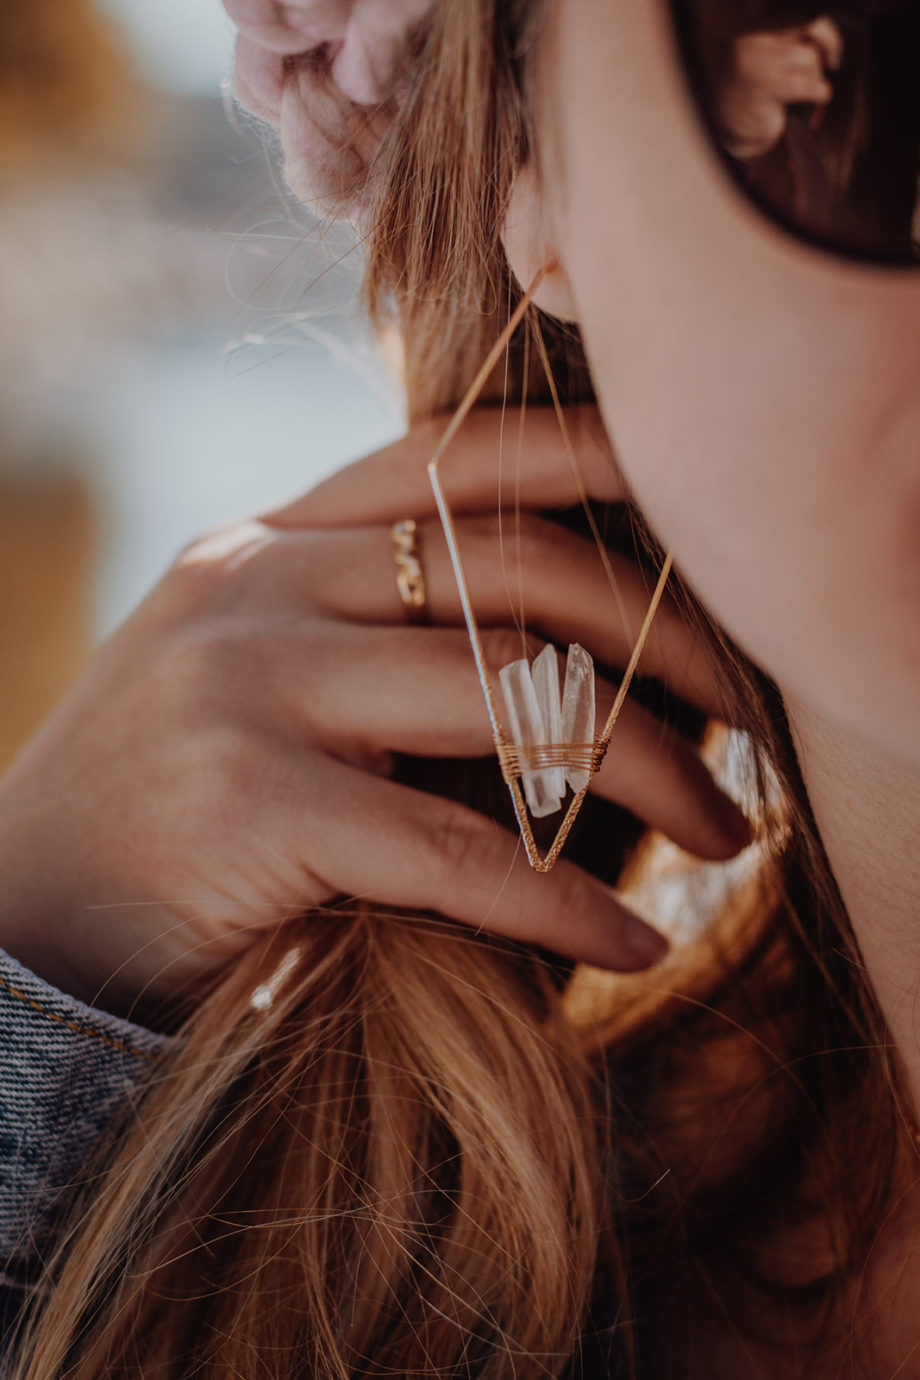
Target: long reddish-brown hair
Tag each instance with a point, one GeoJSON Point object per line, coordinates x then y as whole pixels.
{"type": "Point", "coordinates": [383, 1145]}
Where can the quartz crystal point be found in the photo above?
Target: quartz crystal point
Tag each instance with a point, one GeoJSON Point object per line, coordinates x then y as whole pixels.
{"type": "Point", "coordinates": [545, 672]}
{"type": "Point", "coordinates": [527, 729]}
{"type": "Point", "coordinates": [537, 718]}
{"type": "Point", "coordinates": [578, 709]}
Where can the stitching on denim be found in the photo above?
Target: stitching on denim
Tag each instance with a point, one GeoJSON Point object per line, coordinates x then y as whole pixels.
{"type": "Point", "coordinates": [84, 1030]}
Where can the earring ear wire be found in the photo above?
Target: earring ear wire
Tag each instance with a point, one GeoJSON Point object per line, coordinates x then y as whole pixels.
{"type": "Point", "coordinates": [515, 759]}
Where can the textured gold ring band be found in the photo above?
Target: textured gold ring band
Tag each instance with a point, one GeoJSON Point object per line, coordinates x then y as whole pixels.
{"type": "Point", "coordinates": [410, 578]}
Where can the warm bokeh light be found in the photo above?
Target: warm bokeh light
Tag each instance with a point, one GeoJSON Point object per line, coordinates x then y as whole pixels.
{"type": "Point", "coordinates": [181, 343]}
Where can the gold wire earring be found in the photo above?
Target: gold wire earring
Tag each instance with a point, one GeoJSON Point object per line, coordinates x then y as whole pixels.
{"type": "Point", "coordinates": [569, 755]}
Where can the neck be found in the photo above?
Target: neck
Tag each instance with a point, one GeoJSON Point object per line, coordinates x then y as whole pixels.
{"type": "Point", "coordinates": [867, 807]}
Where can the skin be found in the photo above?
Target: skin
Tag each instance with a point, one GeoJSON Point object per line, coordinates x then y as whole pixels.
{"type": "Point", "coordinates": [767, 73]}
{"type": "Point", "coordinates": [224, 762]}
{"type": "Point", "coordinates": [765, 406]}
{"type": "Point", "coordinates": [783, 469]}
{"type": "Point", "coordinates": [795, 509]}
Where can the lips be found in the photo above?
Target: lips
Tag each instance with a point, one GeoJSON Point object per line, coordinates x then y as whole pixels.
{"type": "Point", "coordinates": [258, 80]}
{"type": "Point", "coordinates": [329, 143]}
{"type": "Point", "coordinates": [327, 74]}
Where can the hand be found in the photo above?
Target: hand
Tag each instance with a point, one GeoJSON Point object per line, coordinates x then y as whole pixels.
{"type": "Point", "coordinates": [223, 763]}
{"type": "Point", "coordinates": [768, 72]}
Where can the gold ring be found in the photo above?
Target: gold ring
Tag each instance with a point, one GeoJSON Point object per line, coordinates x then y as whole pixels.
{"type": "Point", "coordinates": [410, 578]}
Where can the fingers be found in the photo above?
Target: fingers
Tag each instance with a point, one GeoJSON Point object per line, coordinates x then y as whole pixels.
{"type": "Point", "coordinates": [329, 642]}
{"type": "Point", "coordinates": [493, 458]}
{"type": "Point", "coordinates": [804, 82]}
{"type": "Point", "coordinates": [662, 779]}
{"type": "Point", "coordinates": [418, 693]}
{"type": "Point", "coordinates": [789, 66]}
{"type": "Point", "coordinates": [527, 572]}
{"type": "Point", "coordinates": [827, 37]}
{"type": "Point", "coordinates": [400, 847]}
{"type": "Point", "coordinates": [405, 690]}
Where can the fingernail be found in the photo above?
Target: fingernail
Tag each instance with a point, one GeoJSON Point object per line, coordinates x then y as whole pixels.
{"type": "Point", "coordinates": [643, 945]}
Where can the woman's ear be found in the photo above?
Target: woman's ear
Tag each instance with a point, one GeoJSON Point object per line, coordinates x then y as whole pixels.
{"type": "Point", "coordinates": [529, 246]}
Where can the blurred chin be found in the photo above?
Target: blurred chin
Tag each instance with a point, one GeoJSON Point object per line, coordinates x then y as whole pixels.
{"type": "Point", "coordinates": [258, 81]}
{"type": "Point", "coordinates": [329, 144]}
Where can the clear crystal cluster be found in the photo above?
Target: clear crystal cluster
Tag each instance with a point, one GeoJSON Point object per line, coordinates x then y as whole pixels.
{"type": "Point", "coordinates": [539, 715]}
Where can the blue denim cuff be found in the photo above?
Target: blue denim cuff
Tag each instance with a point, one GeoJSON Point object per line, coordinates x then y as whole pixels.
{"type": "Point", "coordinates": [66, 1073]}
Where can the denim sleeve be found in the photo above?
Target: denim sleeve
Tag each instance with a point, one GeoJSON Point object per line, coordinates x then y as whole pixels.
{"type": "Point", "coordinates": [67, 1072]}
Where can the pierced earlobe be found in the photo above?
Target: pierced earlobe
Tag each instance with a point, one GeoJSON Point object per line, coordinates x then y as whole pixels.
{"type": "Point", "coordinates": [568, 753]}
{"type": "Point", "coordinates": [531, 250]}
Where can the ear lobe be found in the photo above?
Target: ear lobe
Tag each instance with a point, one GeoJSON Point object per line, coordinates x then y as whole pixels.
{"type": "Point", "coordinates": [529, 247]}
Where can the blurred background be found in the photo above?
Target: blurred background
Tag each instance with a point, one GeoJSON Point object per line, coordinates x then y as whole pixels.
{"type": "Point", "coordinates": [180, 343]}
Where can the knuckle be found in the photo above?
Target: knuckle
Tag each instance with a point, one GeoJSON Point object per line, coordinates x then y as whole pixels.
{"type": "Point", "coordinates": [462, 841]}
{"type": "Point", "coordinates": [198, 659]}
{"type": "Point", "coordinates": [552, 553]}
{"type": "Point", "coordinates": [532, 534]}
{"type": "Point", "coordinates": [224, 546]}
{"type": "Point", "coordinates": [206, 574]}
{"type": "Point", "coordinates": [217, 660]}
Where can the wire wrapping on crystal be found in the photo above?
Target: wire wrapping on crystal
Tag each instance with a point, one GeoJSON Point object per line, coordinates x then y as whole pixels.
{"type": "Point", "coordinates": [517, 759]}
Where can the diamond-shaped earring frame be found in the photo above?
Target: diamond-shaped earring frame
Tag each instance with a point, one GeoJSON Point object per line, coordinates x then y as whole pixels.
{"type": "Point", "coordinates": [514, 759]}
